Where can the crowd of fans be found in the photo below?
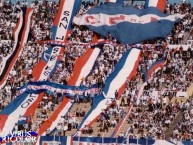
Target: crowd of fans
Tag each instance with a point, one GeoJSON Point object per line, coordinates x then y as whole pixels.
{"type": "Point", "coordinates": [150, 118]}
{"type": "Point", "coordinates": [183, 129]}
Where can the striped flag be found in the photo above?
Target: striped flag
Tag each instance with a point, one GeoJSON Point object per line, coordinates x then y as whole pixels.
{"type": "Point", "coordinates": [160, 4]}
{"type": "Point", "coordinates": [154, 67]}
{"type": "Point", "coordinates": [20, 34]}
{"type": "Point", "coordinates": [125, 69]}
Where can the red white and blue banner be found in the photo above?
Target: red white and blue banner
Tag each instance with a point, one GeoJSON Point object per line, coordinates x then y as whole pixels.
{"type": "Point", "coordinates": [50, 88]}
{"type": "Point", "coordinates": [20, 34]}
{"type": "Point", "coordinates": [125, 69]}
{"type": "Point", "coordinates": [160, 4]}
{"type": "Point", "coordinates": [126, 23]}
{"type": "Point", "coordinates": [62, 23]}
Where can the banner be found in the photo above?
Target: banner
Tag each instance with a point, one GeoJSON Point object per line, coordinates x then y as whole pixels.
{"type": "Point", "coordinates": [165, 93]}
{"type": "Point", "coordinates": [127, 24]}
{"type": "Point", "coordinates": [49, 87]}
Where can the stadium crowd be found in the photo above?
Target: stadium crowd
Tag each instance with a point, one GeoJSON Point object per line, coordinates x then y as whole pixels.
{"type": "Point", "coordinates": [150, 118]}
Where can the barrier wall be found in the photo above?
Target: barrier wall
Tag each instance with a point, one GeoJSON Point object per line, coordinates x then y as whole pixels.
{"type": "Point", "coordinates": [56, 140]}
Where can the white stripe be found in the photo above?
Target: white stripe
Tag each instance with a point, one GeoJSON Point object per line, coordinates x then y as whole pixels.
{"type": "Point", "coordinates": [126, 70]}
{"type": "Point", "coordinates": [88, 66]}
{"type": "Point", "coordinates": [152, 3]}
{"type": "Point", "coordinates": [69, 138]}
{"type": "Point", "coordinates": [110, 20]}
{"type": "Point", "coordinates": [64, 20]}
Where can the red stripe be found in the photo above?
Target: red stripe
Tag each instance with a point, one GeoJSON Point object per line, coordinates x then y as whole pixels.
{"type": "Point", "coordinates": [3, 119]}
{"type": "Point", "coordinates": [80, 62]}
{"type": "Point", "coordinates": [32, 108]}
{"type": "Point", "coordinates": [161, 5]}
{"type": "Point", "coordinates": [37, 70]}
{"type": "Point", "coordinates": [59, 13]}
{"type": "Point", "coordinates": [19, 49]}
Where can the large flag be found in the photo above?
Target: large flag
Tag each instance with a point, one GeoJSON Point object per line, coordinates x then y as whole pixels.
{"type": "Point", "coordinates": [125, 69]}
{"type": "Point", "coordinates": [160, 4]}
{"type": "Point", "coordinates": [126, 23]}
{"type": "Point", "coordinates": [20, 35]}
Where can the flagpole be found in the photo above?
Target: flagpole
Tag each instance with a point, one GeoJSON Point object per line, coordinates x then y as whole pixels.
{"type": "Point", "coordinates": [127, 140]}
{"type": "Point", "coordinates": [54, 136]}
{"type": "Point", "coordinates": [102, 138]}
{"type": "Point", "coordinates": [78, 138]}
{"type": "Point", "coordinates": [137, 140]}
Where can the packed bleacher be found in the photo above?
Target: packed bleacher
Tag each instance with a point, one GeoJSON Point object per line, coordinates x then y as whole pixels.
{"type": "Point", "coordinates": [151, 114]}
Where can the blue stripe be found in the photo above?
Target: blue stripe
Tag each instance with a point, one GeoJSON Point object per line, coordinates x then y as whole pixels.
{"type": "Point", "coordinates": [54, 30]}
{"type": "Point", "coordinates": [118, 67]}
